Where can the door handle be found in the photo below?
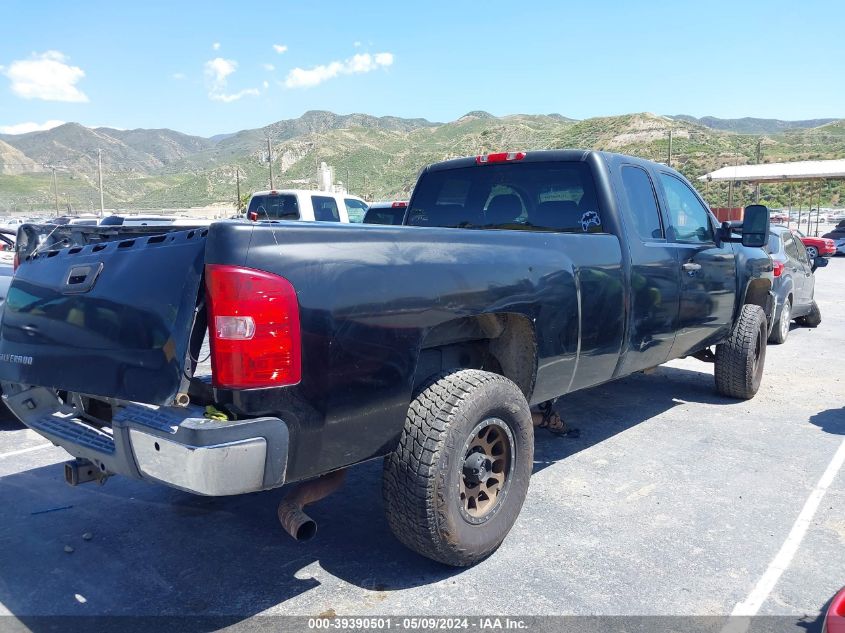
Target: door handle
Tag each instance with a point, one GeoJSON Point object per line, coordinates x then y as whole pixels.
{"type": "Point", "coordinates": [691, 267]}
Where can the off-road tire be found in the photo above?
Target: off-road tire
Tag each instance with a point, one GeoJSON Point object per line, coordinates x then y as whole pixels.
{"type": "Point", "coordinates": [781, 329]}
{"type": "Point", "coordinates": [740, 359]}
{"type": "Point", "coordinates": [811, 319]}
{"type": "Point", "coordinates": [423, 475]}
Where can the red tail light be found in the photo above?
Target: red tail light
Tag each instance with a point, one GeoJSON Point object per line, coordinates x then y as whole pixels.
{"type": "Point", "coordinates": [253, 322]}
{"type": "Point", "coordinates": [499, 157]}
{"type": "Point", "coordinates": [778, 268]}
{"type": "Point", "coordinates": [399, 205]}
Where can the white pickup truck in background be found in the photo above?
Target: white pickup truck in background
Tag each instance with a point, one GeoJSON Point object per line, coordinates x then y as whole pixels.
{"type": "Point", "coordinates": [306, 204]}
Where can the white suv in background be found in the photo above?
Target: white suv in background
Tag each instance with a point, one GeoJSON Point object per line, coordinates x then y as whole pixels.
{"type": "Point", "coordinates": [305, 204]}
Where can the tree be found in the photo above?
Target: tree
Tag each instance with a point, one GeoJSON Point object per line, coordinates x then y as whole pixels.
{"type": "Point", "coordinates": [244, 201]}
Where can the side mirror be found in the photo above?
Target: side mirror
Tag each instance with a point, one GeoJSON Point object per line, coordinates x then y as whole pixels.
{"type": "Point", "coordinates": [755, 226]}
{"type": "Point", "coordinates": [819, 262]}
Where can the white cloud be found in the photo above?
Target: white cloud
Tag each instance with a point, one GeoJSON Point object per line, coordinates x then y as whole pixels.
{"type": "Point", "coordinates": [218, 69]}
{"type": "Point", "coordinates": [384, 59]}
{"type": "Point", "coordinates": [215, 46]}
{"type": "Point", "coordinates": [217, 72]}
{"type": "Point", "coordinates": [178, 76]}
{"type": "Point", "coordinates": [266, 84]}
{"type": "Point", "coordinates": [356, 44]}
{"type": "Point", "coordinates": [228, 98]}
{"type": "Point", "coordinates": [357, 64]}
{"type": "Point", "coordinates": [268, 67]}
{"type": "Point", "coordinates": [31, 126]}
{"type": "Point", "coordinates": [280, 48]}
{"type": "Point", "coordinates": [46, 76]}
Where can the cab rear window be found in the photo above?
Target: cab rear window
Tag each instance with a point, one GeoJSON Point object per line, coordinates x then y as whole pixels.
{"type": "Point", "coordinates": [549, 196]}
{"type": "Point", "coordinates": [385, 215]}
{"type": "Point", "coordinates": [275, 207]}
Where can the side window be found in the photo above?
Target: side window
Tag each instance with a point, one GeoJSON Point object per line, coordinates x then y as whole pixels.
{"type": "Point", "coordinates": [789, 243]}
{"type": "Point", "coordinates": [689, 218]}
{"type": "Point", "coordinates": [802, 251]}
{"type": "Point", "coordinates": [325, 209]}
{"type": "Point", "coordinates": [356, 209]}
{"type": "Point", "coordinates": [642, 203]}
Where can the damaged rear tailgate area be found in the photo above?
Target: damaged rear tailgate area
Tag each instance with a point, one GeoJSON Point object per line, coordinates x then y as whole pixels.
{"type": "Point", "coordinates": [111, 317]}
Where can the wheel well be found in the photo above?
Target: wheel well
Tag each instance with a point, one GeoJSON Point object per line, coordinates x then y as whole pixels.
{"type": "Point", "coordinates": [499, 343]}
{"type": "Point", "coordinates": [757, 294]}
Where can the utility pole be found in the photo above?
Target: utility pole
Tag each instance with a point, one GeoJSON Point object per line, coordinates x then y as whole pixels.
{"type": "Point", "coordinates": [238, 180]}
{"type": "Point", "coordinates": [55, 189]}
{"type": "Point", "coordinates": [757, 185]}
{"type": "Point", "coordinates": [669, 159]}
{"type": "Point", "coordinates": [270, 161]}
{"type": "Point", "coordinates": [789, 212]}
{"type": "Point", "coordinates": [100, 178]}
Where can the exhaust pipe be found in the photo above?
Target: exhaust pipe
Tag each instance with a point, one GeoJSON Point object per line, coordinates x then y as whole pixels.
{"type": "Point", "coordinates": [296, 523]}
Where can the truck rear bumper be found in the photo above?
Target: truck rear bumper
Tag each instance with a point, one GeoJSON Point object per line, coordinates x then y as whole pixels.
{"type": "Point", "coordinates": [174, 446]}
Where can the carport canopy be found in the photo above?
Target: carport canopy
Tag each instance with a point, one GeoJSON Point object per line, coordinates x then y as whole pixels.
{"type": "Point", "coordinates": [780, 172]}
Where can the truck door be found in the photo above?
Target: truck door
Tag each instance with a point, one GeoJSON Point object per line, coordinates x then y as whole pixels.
{"type": "Point", "coordinates": [708, 271]}
{"type": "Point", "coordinates": [799, 267]}
{"type": "Point", "coordinates": [655, 274]}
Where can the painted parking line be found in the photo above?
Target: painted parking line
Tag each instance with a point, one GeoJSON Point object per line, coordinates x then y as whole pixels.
{"type": "Point", "coordinates": [751, 605]}
{"type": "Point", "coordinates": [26, 450]}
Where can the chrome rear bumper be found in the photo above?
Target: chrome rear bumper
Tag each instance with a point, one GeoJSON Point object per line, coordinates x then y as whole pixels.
{"type": "Point", "coordinates": [174, 446]}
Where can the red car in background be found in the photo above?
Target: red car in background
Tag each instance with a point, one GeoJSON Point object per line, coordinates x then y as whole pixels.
{"type": "Point", "coordinates": [834, 621]}
{"type": "Point", "coordinates": [817, 246]}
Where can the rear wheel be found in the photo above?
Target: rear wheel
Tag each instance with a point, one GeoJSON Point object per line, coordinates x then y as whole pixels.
{"type": "Point", "coordinates": [813, 318]}
{"type": "Point", "coordinates": [457, 480]}
{"type": "Point", "coordinates": [781, 328]}
{"type": "Point", "coordinates": [740, 359]}
{"type": "Point", "coordinates": [812, 252]}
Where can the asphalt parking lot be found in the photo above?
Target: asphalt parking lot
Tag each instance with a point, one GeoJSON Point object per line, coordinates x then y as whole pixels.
{"type": "Point", "coordinates": [673, 501]}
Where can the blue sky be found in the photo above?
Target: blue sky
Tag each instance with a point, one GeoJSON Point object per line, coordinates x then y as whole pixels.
{"type": "Point", "coordinates": [214, 67]}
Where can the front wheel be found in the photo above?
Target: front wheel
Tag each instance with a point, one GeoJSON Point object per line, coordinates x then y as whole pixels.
{"type": "Point", "coordinates": [740, 359]}
{"type": "Point", "coordinates": [455, 483]}
{"type": "Point", "coordinates": [812, 252]}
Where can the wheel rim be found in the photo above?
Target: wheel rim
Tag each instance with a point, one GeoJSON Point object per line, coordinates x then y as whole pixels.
{"type": "Point", "coordinates": [812, 252]}
{"type": "Point", "coordinates": [486, 469]}
{"type": "Point", "coordinates": [785, 314]}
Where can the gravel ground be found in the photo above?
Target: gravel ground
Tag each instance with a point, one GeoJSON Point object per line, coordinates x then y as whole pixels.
{"type": "Point", "coordinates": [673, 501]}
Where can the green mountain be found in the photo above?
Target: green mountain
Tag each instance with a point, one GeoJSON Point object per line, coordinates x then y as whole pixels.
{"type": "Point", "coordinates": [376, 157]}
{"type": "Point", "coordinates": [750, 125]}
{"type": "Point", "coordinates": [14, 161]}
{"type": "Point", "coordinates": [73, 147]}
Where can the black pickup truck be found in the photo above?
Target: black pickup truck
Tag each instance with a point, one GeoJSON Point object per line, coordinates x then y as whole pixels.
{"type": "Point", "coordinates": [516, 278]}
